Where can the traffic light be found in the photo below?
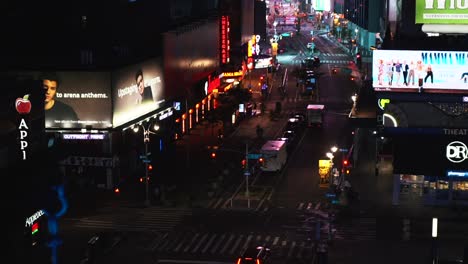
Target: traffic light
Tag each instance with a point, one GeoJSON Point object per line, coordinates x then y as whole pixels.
{"type": "Point", "coordinates": [261, 160]}
{"type": "Point", "coordinates": [150, 167]}
{"type": "Point", "coordinates": [244, 163]}
{"type": "Point", "coordinates": [358, 60]}
{"type": "Point", "coordinates": [213, 155]}
{"type": "Point", "coordinates": [345, 163]}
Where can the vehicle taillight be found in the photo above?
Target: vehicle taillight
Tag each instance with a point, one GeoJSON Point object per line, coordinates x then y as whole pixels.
{"type": "Point", "coordinates": [258, 261]}
{"type": "Point", "coordinates": [238, 260]}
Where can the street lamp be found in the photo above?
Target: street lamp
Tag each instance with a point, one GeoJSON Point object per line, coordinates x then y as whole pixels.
{"type": "Point", "coordinates": [330, 156]}
{"type": "Point", "coordinates": [147, 130]}
{"type": "Point", "coordinates": [334, 149]}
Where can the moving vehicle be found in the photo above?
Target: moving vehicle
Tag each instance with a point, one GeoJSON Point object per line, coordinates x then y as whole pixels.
{"type": "Point", "coordinates": [274, 155]}
{"type": "Point", "coordinates": [254, 255]}
{"type": "Point", "coordinates": [315, 114]}
{"type": "Point", "coordinates": [289, 135]}
{"type": "Point", "coordinates": [293, 124]}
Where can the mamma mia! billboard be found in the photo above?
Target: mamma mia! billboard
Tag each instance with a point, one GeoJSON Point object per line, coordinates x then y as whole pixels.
{"type": "Point", "coordinates": [420, 71]}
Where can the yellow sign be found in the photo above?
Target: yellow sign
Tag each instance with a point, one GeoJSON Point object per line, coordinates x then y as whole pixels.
{"type": "Point", "coordinates": [324, 163]}
{"type": "Point", "coordinates": [232, 74]}
{"type": "Point", "coordinates": [324, 168]}
{"type": "Point", "coordinates": [274, 49]}
{"type": "Point", "coordinates": [250, 48]}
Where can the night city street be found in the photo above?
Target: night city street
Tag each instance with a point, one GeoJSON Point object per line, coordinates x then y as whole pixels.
{"type": "Point", "coordinates": [236, 132]}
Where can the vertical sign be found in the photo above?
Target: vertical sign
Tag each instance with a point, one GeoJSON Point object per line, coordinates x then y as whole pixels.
{"type": "Point", "coordinates": [23, 107]}
{"type": "Point", "coordinates": [225, 40]}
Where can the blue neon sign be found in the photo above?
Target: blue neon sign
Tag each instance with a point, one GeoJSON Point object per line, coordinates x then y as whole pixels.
{"type": "Point", "coordinates": [457, 173]}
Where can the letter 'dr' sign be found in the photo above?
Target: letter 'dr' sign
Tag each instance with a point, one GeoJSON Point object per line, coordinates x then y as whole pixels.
{"type": "Point", "coordinates": [456, 152]}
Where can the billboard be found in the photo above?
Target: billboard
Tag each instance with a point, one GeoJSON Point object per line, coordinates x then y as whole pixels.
{"type": "Point", "coordinates": [441, 12]}
{"type": "Point", "coordinates": [420, 71]}
{"type": "Point", "coordinates": [137, 90]}
{"type": "Point", "coordinates": [75, 100]}
{"type": "Point", "coordinates": [321, 5]}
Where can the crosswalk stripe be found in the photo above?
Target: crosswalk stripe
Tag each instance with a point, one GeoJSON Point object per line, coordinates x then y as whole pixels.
{"type": "Point", "coordinates": [227, 244]}
{"type": "Point", "coordinates": [291, 249]}
{"type": "Point", "coordinates": [247, 241]}
{"type": "Point", "coordinates": [267, 239]}
{"type": "Point", "coordinates": [309, 205]}
{"type": "Point", "coordinates": [156, 244]}
{"type": "Point", "coordinates": [258, 238]}
{"type": "Point", "coordinates": [300, 206]}
{"type": "Point", "coordinates": [301, 249]}
{"type": "Point", "coordinates": [191, 242]}
{"type": "Point", "coordinates": [181, 242]}
{"type": "Point", "coordinates": [163, 246]}
{"type": "Point", "coordinates": [199, 243]}
{"type": "Point", "coordinates": [213, 250]}
{"type": "Point", "coordinates": [209, 243]}
{"type": "Point", "coordinates": [236, 244]}
{"type": "Point", "coordinates": [275, 241]}
{"type": "Point", "coordinates": [317, 206]}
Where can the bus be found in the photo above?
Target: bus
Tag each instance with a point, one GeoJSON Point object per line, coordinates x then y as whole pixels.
{"type": "Point", "coordinates": [315, 115]}
{"type": "Point", "coordinates": [274, 155]}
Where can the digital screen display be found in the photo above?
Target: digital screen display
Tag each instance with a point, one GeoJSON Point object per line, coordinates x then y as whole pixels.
{"type": "Point", "coordinates": [441, 12]}
{"type": "Point", "coordinates": [137, 90]}
{"type": "Point", "coordinates": [420, 71]}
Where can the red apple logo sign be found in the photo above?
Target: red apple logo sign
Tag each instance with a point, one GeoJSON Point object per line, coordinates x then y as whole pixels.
{"type": "Point", "coordinates": [23, 105]}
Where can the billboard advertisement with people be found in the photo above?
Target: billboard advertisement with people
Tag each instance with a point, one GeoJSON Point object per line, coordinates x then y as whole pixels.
{"type": "Point", "coordinates": [75, 100]}
{"type": "Point", "coordinates": [137, 90]}
{"type": "Point", "coordinates": [420, 71]}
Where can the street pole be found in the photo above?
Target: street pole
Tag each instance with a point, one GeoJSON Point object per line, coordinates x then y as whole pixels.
{"type": "Point", "coordinates": [435, 250]}
{"type": "Point", "coordinates": [146, 140]}
{"type": "Point", "coordinates": [247, 173]}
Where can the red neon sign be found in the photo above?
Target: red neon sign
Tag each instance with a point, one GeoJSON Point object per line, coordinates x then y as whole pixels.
{"type": "Point", "coordinates": [225, 42]}
{"type": "Point", "coordinates": [213, 83]}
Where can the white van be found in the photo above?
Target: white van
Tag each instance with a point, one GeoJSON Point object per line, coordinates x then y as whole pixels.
{"type": "Point", "coordinates": [274, 155]}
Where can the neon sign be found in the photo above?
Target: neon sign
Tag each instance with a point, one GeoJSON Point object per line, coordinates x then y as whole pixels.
{"type": "Point", "coordinates": [457, 173]}
{"type": "Point", "coordinates": [225, 42]}
{"type": "Point", "coordinates": [232, 74]}
{"type": "Point", "coordinates": [383, 102]}
{"type": "Point", "coordinates": [30, 220]}
{"type": "Point", "coordinates": [23, 107]}
{"type": "Point", "coordinates": [83, 136]}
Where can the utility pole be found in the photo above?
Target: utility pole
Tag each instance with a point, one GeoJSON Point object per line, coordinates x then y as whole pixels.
{"type": "Point", "coordinates": [247, 174]}
{"type": "Point", "coordinates": [146, 141]}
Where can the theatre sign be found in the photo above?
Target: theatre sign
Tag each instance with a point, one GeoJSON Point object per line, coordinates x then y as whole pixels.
{"type": "Point", "coordinates": [442, 12]}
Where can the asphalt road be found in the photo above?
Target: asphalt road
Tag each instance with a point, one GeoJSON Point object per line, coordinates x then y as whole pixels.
{"type": "Point", "coordinates": [289, 218]}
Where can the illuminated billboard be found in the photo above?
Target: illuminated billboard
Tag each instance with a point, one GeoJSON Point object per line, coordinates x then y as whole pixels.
{"type": "Point", "coordinates": [75, 100]}
{"type": "Point", "coordinates": [80, 99]}
{"type": "Point", "coordinates": [321, 5]}
{"type": "Point", "coordinates": [441, 12]}
{"type": "Point", "coordinates": [420, 71]}
{"type": "Point", "coordinates": [137, 90]}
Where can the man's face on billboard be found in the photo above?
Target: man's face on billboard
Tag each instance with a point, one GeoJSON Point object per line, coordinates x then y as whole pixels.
{"type": "Point", "coordinates": [140, 84]}
{"type": "Point", "coordinates": [50, 89]}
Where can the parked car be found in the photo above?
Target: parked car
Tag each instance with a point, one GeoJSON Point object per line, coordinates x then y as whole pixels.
{"type": "Point", "coordinates": [255, 255]}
